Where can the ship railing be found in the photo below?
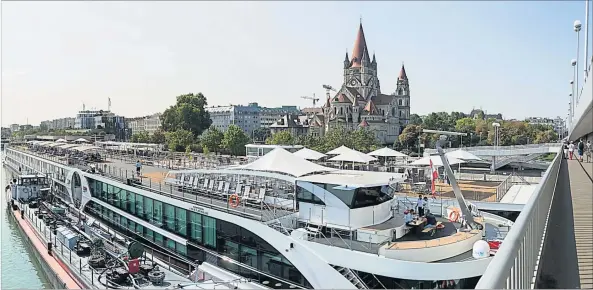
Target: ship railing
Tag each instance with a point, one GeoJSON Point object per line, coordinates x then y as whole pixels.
{"type": "Point", "coordinates": [516, 263]}
{"type": "Point", "coordinates": [91, 276]}
{"type": "Point", "coordinates": [258, 210]}
{"type": "Point", "coordinates": [175, 160]}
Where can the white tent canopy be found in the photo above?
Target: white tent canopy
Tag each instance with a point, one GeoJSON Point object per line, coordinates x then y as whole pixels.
{"type": "Point", "coordinates": [436, 161]}
{"type": "Point", "coordinates": [309, 154]}
{"type": "Point", "coordinates": [81, 140]}
{"type": "Point", "coordinates": [282, 161]}
{"type": "Point", "coordinates": [354, 156]}
{"type": "Point", "coordinates": [463, 155]}
{"type": "Point", "coordinates": [340, 150]}
{"type": "Point", "coordinates": [387, 152]}
{"type": "Point", "coordinates": [61, 140]}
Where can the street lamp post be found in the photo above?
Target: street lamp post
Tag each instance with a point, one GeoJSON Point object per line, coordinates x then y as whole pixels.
{"type": "Point", "coordinates": [495, 125]}
{"type": "Point", "coordinates": [573, 86]}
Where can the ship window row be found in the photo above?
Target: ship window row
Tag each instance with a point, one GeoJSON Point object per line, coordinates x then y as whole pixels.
{"type": "Point", "coordinates": [227, 239]}
{"type": "Point", "coordinates": [353, 198]}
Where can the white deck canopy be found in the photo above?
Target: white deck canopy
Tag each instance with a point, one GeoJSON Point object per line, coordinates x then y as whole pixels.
{"type": "Point", "coordinates": [61, 141]}
{"type": "Point", "coordinates": [282, 161]}
{"type": "Point", "coordinates": [387, 152]}
{"type": "Point", "coordinates": [309, 154]}
{"type": "Point", "coordinates": [436, 161]}
{"type": "Point", "coordinates": [463, 155]}
{"type": "Point", "coordinates": [81, 140]}
{"type": "Point", "coordinates": [338, 151]}
{"type": "Point", "coordinates": [354, 156]}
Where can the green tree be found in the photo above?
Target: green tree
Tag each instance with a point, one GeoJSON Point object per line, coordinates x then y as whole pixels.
{"type": "Point", "coordinates": [311, 142]}
{"type": "Point", "coordinates": [281, 138]}
{"type": "Point", "coordinates": [547, 136]}
{"type": "Point", "coordinates": [235, 140]}
{"type": "Point", "coordinates": [179, 140]}
{"type": "Point", "coordinates": [465, 125]}
{"type": "Point", "coordinates": [212, 139]}
{"type": "Point", "coordinates": [140, 137]}
{"type": "Point", "coordinates": [364, 140]}
{"type": "Point", "coordinates": [415, 120]}
{"type": "Point", "coordinates": [410, 136]}
{"type": "Point", "coordinates": [189, 113]}
{"type": "Point", "coordinates": [158, 137]}
{"type": "Point", "coordinates": [336, 137]}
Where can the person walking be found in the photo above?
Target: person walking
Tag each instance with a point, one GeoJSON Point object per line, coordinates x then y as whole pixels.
{"type": "Point", "coordinates": [570, 150]}
{"type": "Point", "coordinates": [581, 149]}
{"type": "Point", "coordinates": [138, 167]}
{"type": "Point", "coordinates": [565, 149]}
{"type": "Point", "coordinates": [588, 150]}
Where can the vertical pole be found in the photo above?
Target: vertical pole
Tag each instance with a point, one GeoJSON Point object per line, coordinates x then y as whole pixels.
{"type": "Point", "coordinates": [586, 57]}
{"type": "Point", "coordinates": [576, 81]}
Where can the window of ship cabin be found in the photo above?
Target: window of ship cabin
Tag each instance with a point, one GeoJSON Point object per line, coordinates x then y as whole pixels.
{"type": "Point", "coordinates": [344, 195]}
{"type": "Point", "coordinates": [304, 195]}
{"type": "Point", "coordinates": [369, 196]}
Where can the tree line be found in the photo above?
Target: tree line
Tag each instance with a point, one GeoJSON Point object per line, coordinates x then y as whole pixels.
{"type": "Point", "coordinates": [479, 132]}
{"type": "Point", "coordinates": [187, 127]}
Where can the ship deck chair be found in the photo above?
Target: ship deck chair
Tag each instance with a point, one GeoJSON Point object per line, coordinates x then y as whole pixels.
{"type": "Point", "coordinates": [225, 190]}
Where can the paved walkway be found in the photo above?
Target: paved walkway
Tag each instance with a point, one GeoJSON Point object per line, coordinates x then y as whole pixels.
{"type": "Point", "coordinates": [581, 188]}
{"type": "Point", "coordinates": [56, 265]}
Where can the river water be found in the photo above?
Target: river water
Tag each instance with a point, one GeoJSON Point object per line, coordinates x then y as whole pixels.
{"type": "Point", "coordinates": [19, 269]}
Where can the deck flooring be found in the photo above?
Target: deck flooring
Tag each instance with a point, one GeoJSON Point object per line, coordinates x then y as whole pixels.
{"type": "Point", "coordinates": [581, 188]}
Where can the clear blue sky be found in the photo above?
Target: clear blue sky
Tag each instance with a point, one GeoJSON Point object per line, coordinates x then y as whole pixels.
{"type": "Point", "coordinates": [507, 57]}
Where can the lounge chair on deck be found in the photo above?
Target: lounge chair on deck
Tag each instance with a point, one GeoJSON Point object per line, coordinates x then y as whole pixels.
{"type": "Point", "coordinates": [225, 190]}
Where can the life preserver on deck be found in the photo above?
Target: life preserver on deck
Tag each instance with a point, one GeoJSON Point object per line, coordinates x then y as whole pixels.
{"type": "Point", "coordinates": [454, 216]}
{"type": "Point", "coordinates": [234, 200]}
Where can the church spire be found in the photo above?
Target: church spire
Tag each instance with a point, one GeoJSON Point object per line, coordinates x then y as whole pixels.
{"type": "Point", "coordinates": [346, 61]}
{"type": "Point", "coordinates": [402, 73]}
{"type": "Point", "coordinates": [360, 50]}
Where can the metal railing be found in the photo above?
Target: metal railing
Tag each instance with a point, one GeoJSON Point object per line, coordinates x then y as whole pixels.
{"type": "Point", "coordinates": [504, 187]}
{"type": "Point", "coordinates": [516, 263]}
{"type": "Point", "coordinates": [90, 276]}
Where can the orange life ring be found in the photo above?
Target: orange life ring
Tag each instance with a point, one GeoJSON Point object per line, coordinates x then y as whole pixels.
{"type": "Point", "coordinates": [234, 200]}
{"type": "Point", "coordinates": [454, 216]}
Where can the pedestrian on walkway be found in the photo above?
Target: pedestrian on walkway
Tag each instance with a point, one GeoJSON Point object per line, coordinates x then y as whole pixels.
{"type": "Point", "coordinates": [138, 167]}
{"type": "Point", "coordinates": [588, 151]}
{"type": "Point", "coordinates": [565, 149]}
{"type": "Point", "coordinates": [581, 148]}
{"type": "Point", "coordinates": [570, 150]}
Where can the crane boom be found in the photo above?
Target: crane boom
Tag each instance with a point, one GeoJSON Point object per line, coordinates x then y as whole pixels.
{"type": "Point", "coordinates": [313, 98]}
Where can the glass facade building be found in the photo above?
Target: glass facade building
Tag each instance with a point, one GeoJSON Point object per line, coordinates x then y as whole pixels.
{"type": "Point", "coordinates": [236, 249]}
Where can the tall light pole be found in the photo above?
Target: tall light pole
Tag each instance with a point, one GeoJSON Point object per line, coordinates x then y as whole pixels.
{"type": "Point", "coordinates": [495, 125]}
{"type": "Point", "coordinates": [577, 29]}
{"type": "Point", "coordinates": [574, 86]}
{"type": "Point", "coordinates": [586, 57]}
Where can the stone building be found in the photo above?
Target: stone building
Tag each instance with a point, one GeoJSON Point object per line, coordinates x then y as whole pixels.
{"type": "Point", "coordinates": [360, 103]}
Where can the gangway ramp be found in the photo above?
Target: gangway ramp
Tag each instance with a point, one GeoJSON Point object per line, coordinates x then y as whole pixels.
{"type": "Point", "coordinates": [519, 193]}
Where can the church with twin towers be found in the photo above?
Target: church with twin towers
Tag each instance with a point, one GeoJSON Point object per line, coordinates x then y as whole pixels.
{"type": "Point", "coordinates": [359, 102]}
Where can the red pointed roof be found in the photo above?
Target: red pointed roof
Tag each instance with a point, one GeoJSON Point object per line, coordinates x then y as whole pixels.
{"type": "Point", "coordinates": [371, 109]}
{"type": "Point", "coordinates": [402, 73]}
{"type": "Point", "coordinates": [364, 123]}
{"type": "Point", "coordinates": [360, 48]}
{"type": "Point", "coordinates": [341, 98]}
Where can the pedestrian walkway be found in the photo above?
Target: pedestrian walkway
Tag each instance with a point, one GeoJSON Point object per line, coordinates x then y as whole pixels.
{"type": "Point", "coordinates": [581, 188]}
{"type": "Point", "coordinates": [55, 265]}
